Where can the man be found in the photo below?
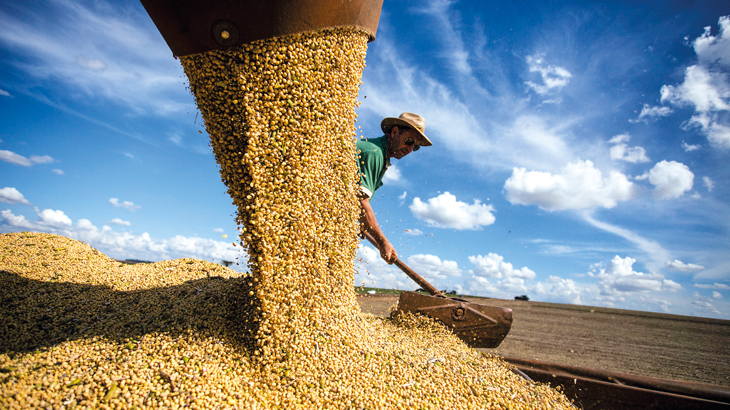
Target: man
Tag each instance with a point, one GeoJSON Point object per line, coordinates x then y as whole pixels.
{"type": "Point", "coordinates": [403, 135]}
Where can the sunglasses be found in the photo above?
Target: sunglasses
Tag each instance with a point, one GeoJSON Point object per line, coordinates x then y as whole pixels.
{"type": "Point", "coordinates": [411, 141]}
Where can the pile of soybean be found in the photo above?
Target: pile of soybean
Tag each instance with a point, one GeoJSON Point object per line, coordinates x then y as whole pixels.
{"type": "Point", "coordinates": [82, 330]}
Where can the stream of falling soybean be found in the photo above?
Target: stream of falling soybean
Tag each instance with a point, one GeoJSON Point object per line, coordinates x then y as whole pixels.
{"type": "Point", "coordinates": [280, 115]}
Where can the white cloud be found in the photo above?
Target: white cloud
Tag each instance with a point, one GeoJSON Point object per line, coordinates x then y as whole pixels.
{"type": "Point", "coordinates": [126, 204]}
{"type": "Point", "coordinates": [713, 286]}
{"type": "Point", "coordinates": [716, 295]}
{"type": "Point", "coordinates": [4, 93]}
{"type": "Point", "coordinates": [562, 289]}
{"type": "Point", "coordinates": [493, 277]}
{"type": "Point", "coordinates": [505, 288]}
{"type": "Point", "coordinates": [718, 134]}
{"type": "Point", "coordinates": [444, 211]}
{"type": "Point", "coordinates": [481, 286]}
{"type": "Point", "coordinates": [392, 176]}
{"type": "Point", "coordinates": [697, 90]}
{"type": "Point", "coordinates": [175, 138]}
{"type": "Point", "coordinates": [579, 186]}
{"type": "Point", "coordinates": [684, 267]}
{"type": "Point", "coordinates": [532, 142]}
{"type": "Point", "coordinates": [554, 249]}
{"type": "Point", "coordinates": [705, 304]}
{"type": "Point", "coordinates": [128, 155]}
{"type": "Point", "coordinates": [620, 138]}
{"type": "Point", "coordinates": [711, 49]}
{"type": "Point", "coordinates": [13, 158]}
{"type": "Point", "coordinates": [10, 195]}
{"type": "Point", "coordinates": [671, 179]}
{"type": "Point", "coordinates": [119, 221]}
{"type": "Point", "coordinates": [709, 184]}
{"type": "Point", "coordinates": [655, 251]}
{"type": "Point", "coordinates": [494, 266]}
{"type": "Point", "coordinates": [513, 285]}
{"type": "Point", "coordinates": [456, 55]}
{"type": "Point", "coordinates": [43, 159]}
{"type": "Point", "coordinates": [431, 267]}
{"type": "Point", "coordinates": [218, 230]}
{"type": "Point", "coordinates": [58, 171]}
{"type": "Point", "coordinates": [706, 86]}
{"type": "Point", "coordinates": [402, 197]}
{"type": "Point", "coordinates": [413, 232]}
{"type": "Point", "coordinates": [53, 218]}
{"type": "Point", "coordinates": [15, 221]}
{"type": "Point", "coordinates": [553, 78]}
{"type": "Point", "coordinates": [92, 64]}
{"type": "Point", "coordinates": [649, 113]}
{"type": "Point", "coordinates": [619, 278]}
{"type": "Point", "coordinates": [622, 152]}
{"type": "Point", "coordinates": [124, 244]}
{"type": "Point", "coordinates": [689, 148]}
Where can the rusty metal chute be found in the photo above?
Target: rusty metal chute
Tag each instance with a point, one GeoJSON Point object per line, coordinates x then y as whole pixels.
{"type": "Point", "coordinates": [594, 389]}
{"type": "Point", "coordinates": [194, 26]}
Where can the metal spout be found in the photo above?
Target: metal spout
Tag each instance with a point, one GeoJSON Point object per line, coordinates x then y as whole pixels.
{"type": "Point", "coordinates": [195, 26]}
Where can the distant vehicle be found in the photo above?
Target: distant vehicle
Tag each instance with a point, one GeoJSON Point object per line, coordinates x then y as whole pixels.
{"type": "Point", "coordinates": [445, 292]}
{"type": "Point", "coordinates": [523, 297]}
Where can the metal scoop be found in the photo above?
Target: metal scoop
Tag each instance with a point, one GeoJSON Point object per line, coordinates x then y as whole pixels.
{"type": "Point", "coordinates": [480, 326]}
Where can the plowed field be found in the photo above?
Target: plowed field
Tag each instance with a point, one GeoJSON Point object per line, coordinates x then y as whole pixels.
{"type": "Point", "coordinates": [641, 343]}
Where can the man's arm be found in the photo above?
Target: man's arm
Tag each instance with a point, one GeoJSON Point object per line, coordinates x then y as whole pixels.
{"type": "Point", "coordinates": [370, 225]}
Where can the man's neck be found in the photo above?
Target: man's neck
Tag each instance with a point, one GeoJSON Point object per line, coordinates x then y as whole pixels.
{"type": "Point", "coordinates": [389, 151]}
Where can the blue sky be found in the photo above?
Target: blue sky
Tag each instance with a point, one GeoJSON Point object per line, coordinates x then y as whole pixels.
{"type": "Point", "coordinates": [580, 149]}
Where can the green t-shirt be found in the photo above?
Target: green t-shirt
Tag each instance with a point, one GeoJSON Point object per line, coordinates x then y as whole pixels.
{"type": "Point", "coordinates": [373, 161]}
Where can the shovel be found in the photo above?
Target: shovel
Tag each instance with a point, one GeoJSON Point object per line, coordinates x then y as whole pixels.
{"type": "Point", "coordinates": [480, 326]}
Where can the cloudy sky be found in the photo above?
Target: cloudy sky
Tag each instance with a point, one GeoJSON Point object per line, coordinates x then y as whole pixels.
{"type": "Point", "coordinates": [580, 150]}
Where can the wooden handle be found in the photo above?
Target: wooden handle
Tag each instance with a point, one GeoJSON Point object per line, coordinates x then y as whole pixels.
{"type": "Point", "coordinates": [408, 271]}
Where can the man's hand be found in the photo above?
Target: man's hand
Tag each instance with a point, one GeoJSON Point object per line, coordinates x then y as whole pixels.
{"type": "Point", "coordinates": [370, 225]}
{"type": "Point", "coordinates": [388, 253]}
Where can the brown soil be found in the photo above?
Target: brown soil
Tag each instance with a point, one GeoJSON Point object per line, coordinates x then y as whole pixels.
{"type": "Point", "coordinates": [640, 343]}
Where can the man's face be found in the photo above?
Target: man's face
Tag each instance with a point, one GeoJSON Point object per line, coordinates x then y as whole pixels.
{"type": "Point", "coordinates": [404, 143]}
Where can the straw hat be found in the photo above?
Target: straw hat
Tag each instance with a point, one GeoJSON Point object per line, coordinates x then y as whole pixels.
{"type": "Point", "coordinates": [410, 120]}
